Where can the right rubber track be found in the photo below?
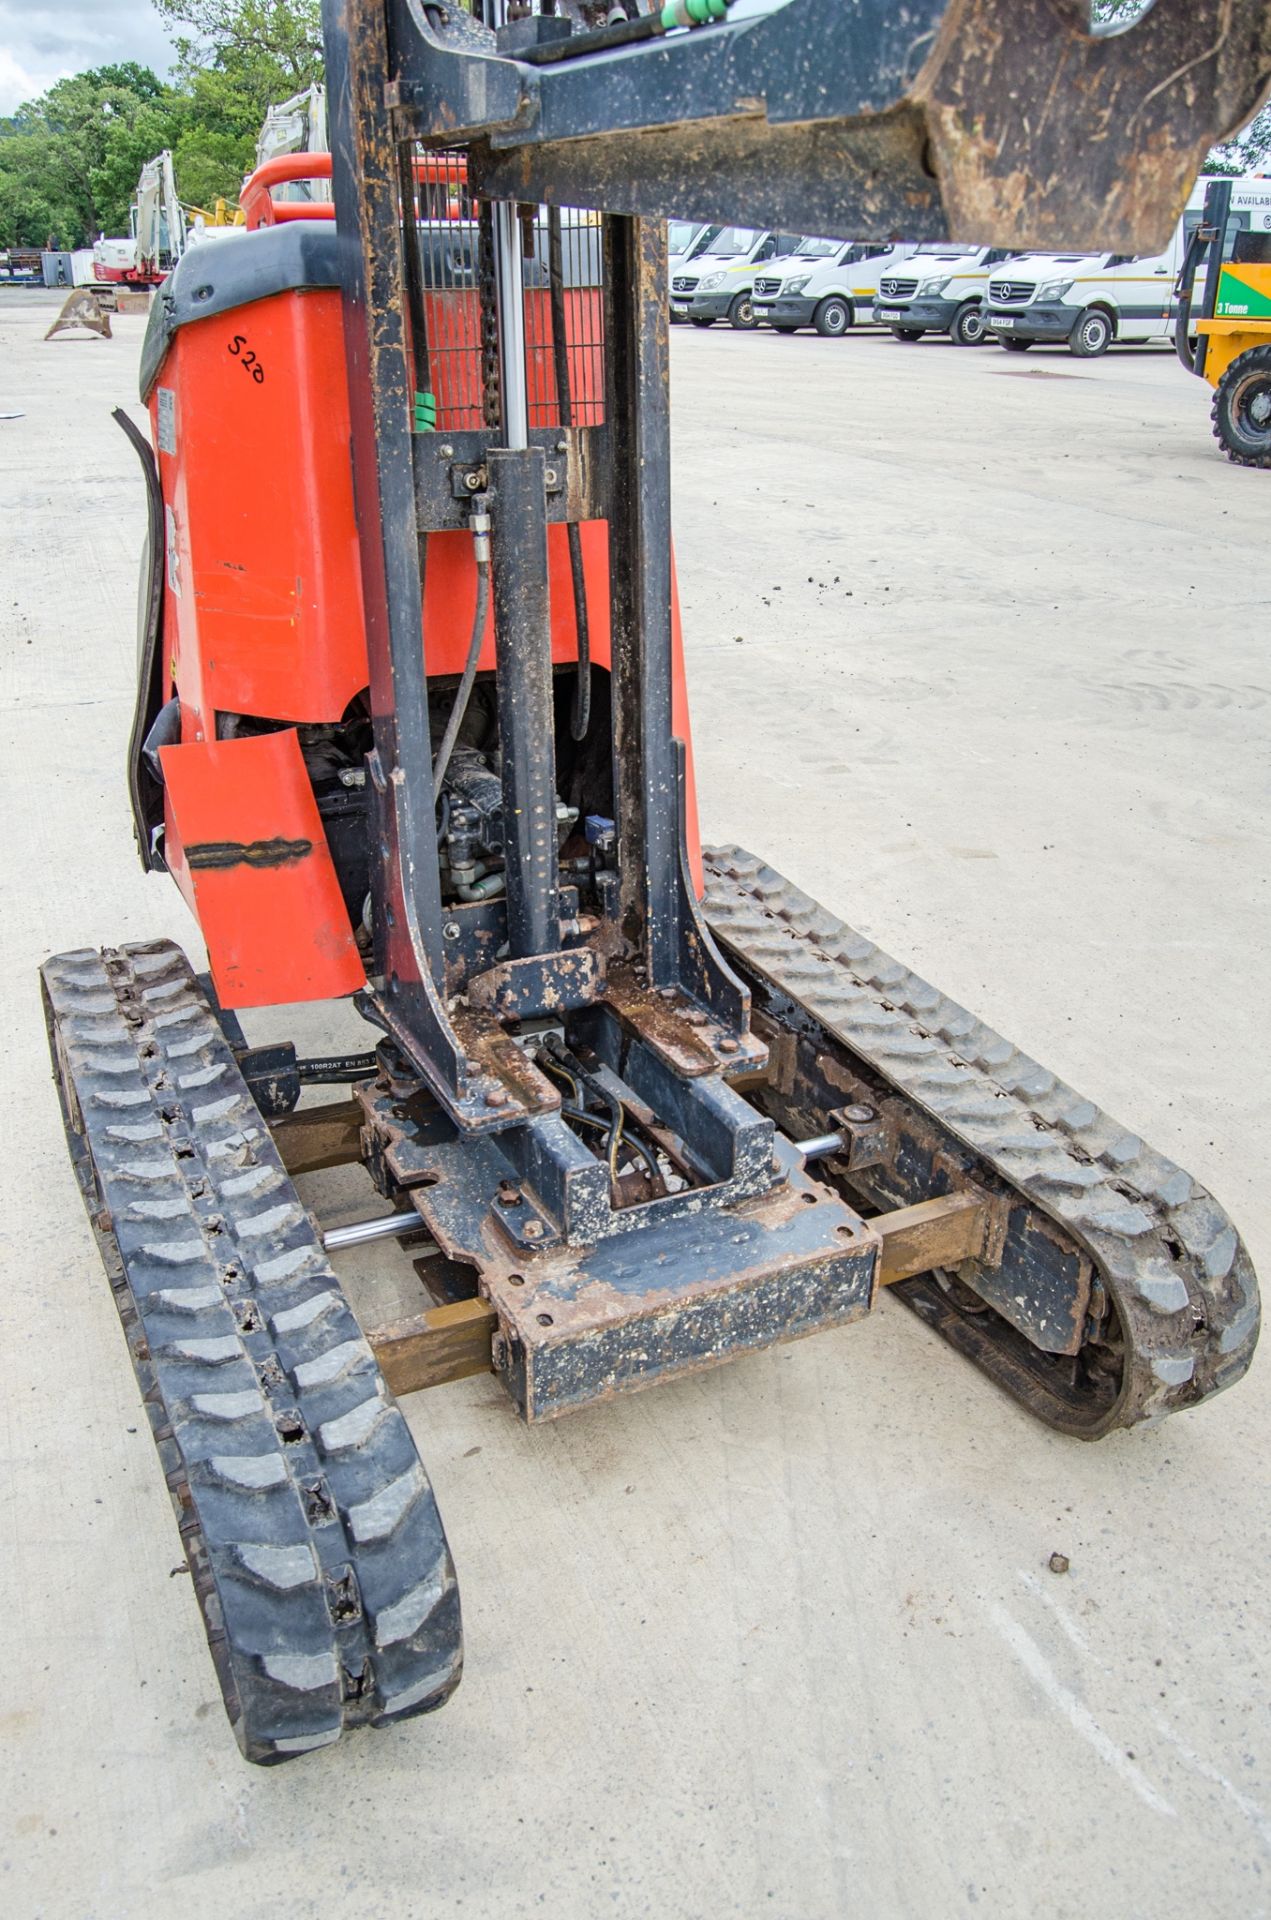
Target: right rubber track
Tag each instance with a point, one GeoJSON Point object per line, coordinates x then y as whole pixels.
{"type": "Point", "coordinates": [308, 1522]}
{"type": "Point", "coordinates": [1180, 1277]}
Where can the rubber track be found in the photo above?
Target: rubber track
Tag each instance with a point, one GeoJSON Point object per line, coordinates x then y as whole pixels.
{"type": "Point", "coordinates": [1181, 1279]}
{"type": "Point", "coordinates": [308, 1522]}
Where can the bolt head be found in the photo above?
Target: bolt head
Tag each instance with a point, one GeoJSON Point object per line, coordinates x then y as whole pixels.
{"type": "Point", "coordinates": [446, 452]}
{"type": "Point", "coordinates": [451, 930]}
{"type": "Point", "coordinates": [532, 1230]}
{"type": "Point", "coordinates": [728, 1045]}
{"type": "Point", "coordinates": [496, 1097]}
{"type": "Point", "coordinates": [859, 1116]}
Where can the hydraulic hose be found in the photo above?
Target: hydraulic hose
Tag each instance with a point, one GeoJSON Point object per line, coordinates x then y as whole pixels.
{"type": "Point", "coordinates": [580, 719]}
{"type": "Point", "coordinates": [479, 522]}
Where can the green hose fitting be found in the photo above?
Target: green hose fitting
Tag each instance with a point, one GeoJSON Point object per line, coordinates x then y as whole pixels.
{"type": "Point", "coordinates": [692, 13]}
{"type": "Point", "coordinates": [425, 420]}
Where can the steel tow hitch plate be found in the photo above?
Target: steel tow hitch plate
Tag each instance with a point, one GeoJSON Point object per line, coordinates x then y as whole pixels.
{"type": "Point", "coordinates": [578, 1325]}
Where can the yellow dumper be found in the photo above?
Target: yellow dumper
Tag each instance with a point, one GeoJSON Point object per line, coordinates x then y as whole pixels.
{"type": "Point", "coordinates": [1226, 337]}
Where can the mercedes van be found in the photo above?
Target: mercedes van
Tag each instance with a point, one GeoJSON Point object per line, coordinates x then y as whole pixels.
{"type": "Point", "coordinates": [719, 283]}
{"type": "Point", "coordinates": [826, 284]}
{"type": "Point", "coordinates": [940, 288]}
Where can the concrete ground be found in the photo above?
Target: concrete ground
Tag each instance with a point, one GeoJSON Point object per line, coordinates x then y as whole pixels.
{"type": "Point", "coordinates": [977, 652]}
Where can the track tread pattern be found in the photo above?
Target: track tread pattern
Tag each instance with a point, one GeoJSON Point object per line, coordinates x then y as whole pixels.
{"type": "Point", "coordinates": [1178, 1272]}
{"type": "Point", "coordinates": [309, 1525]}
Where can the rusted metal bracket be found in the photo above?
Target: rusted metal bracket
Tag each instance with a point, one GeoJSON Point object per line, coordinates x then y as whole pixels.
{"type": "Point", "coordinates": [454, 1341]}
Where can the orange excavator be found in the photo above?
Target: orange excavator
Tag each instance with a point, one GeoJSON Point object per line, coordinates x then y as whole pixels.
{"type": "Point", "coordinates": [412, 734]}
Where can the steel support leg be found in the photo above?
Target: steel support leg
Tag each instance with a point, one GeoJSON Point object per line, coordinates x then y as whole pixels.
{"type": "Point", "coordinates": [523, 643]}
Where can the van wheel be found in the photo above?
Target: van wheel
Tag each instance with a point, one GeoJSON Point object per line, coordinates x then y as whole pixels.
{"type": "Point", "coordinates": [833, 317]}
{"type": "Point", "coordinates": [701, 323]}
{"type": "Point", "coordinates": [906, 333]}
{"type": "Point", "coordinates": [968, 326]}
{"type": "Point", "coordinates": [1092, 335]}
{"type": "Point", "coordinates": [1015, 346]}
{"type": "Point", "coordinates": [742, 314]}
{"type": "Point", "coordinates": [1242, 409]}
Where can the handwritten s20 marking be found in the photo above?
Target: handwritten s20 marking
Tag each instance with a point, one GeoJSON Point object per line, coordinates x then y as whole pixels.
{"type": "Point", "coordinates": [246, 358]}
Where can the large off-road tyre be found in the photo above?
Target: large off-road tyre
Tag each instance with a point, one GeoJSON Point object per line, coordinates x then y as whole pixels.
{"type": "Point", "coordinates": [833, 317]}
{"type": "Point", "coordinates": [968, 329]}
{"type": "Point", "coordinates": [1242, 409]}
{"type": "Point", "coordinates": [1092, 335]}
{"type": "Point", "coordinates": [742, 315]}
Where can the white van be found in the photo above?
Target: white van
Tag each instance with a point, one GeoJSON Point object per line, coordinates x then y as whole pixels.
{"type": "Point", "coordinates": [718, 284]}
{"type": "Point", "coordinates": [940, 289]}
{"type": "Point", "coordinates": [826, 284]}
{"type": "Point", "coordinates": [684, 241]}
{"type": "Point", "coordinates": [1090, 300]}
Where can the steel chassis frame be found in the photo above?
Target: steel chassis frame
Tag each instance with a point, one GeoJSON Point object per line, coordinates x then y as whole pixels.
{"type": "Point", "coordinates": [847, 118]}
{"type": "Point", "coordinates": [855, 119]}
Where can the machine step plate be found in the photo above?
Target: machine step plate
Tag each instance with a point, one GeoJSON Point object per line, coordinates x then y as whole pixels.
{"type": "Point", "coordinates": [308, 1522]}
{"type": "Point", "coordinates": [1170, 1260]}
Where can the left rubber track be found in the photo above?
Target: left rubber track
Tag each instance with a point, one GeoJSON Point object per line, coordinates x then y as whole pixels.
{"type": "Point", "coordinates": [309, 1525]}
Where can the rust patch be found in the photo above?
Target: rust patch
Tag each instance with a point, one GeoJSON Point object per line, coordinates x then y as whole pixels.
{"type": "Point", "coordinates": [215, 854]}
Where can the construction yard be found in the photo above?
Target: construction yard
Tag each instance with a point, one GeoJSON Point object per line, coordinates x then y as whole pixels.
{"type": "Point", "coordinates": [976, 648]}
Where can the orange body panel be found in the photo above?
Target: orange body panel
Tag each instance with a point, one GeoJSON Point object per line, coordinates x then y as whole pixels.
{"type": "Point", "coordinates": [263, 614]}
{"type": "Point", "coordinates": [264, 607]}
{"type": "Point", "coordinates": [244, 843]}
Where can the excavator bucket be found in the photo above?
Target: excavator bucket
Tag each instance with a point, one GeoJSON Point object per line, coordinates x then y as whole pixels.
{"type": "Point", "coordinates": [81, 309]}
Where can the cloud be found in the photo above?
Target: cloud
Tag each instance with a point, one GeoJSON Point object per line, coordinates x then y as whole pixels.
{"type": "Point", "coordinates": [41, 44]}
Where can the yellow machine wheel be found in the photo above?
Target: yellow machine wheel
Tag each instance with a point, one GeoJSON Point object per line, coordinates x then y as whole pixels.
{"type": "Point", "coordinates": [1242, 409]}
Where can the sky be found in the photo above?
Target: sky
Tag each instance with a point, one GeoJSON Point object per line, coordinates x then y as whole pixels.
{"type": "Point", "coordinates": [39, 43]}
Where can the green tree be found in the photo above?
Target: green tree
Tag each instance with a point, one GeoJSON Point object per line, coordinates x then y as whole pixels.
{"type": "Point", "coordinates": [66, 157]}
{"type": "Point", "coordinates": [234, 59]}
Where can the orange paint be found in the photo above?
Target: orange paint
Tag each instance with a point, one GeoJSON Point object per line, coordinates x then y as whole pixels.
{"type": "Point", "coordinates": [264, 610]}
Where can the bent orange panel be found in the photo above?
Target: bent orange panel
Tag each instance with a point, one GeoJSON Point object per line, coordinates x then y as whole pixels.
{"type": "Point", "coordinates": [245, 844]}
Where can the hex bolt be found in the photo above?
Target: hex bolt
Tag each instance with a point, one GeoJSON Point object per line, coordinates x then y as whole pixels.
{"type": "Point", "coordinates": [496, 1097]}
{"type": "Point", "coordinates": [729, 1045]}
{"type": "Point", "coordinates": [562, 446]}
{"type": "Point", "coordinates": [472, 482]}
{"type": "Point", "coordinates": [509, 1194]}
{"type": "Point", "coordinates": [667, 993]}
{"type": "Point", "coordinates": [451, 930]}
{"type": "Point", "coordinates": [446, 452]}
{"type": "Point", "coordinates": [532, 1230]}
{"type": "Point", "coordinates": [859, 1116]}
{"type": "Point", "coordinates": [696, 1018]}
